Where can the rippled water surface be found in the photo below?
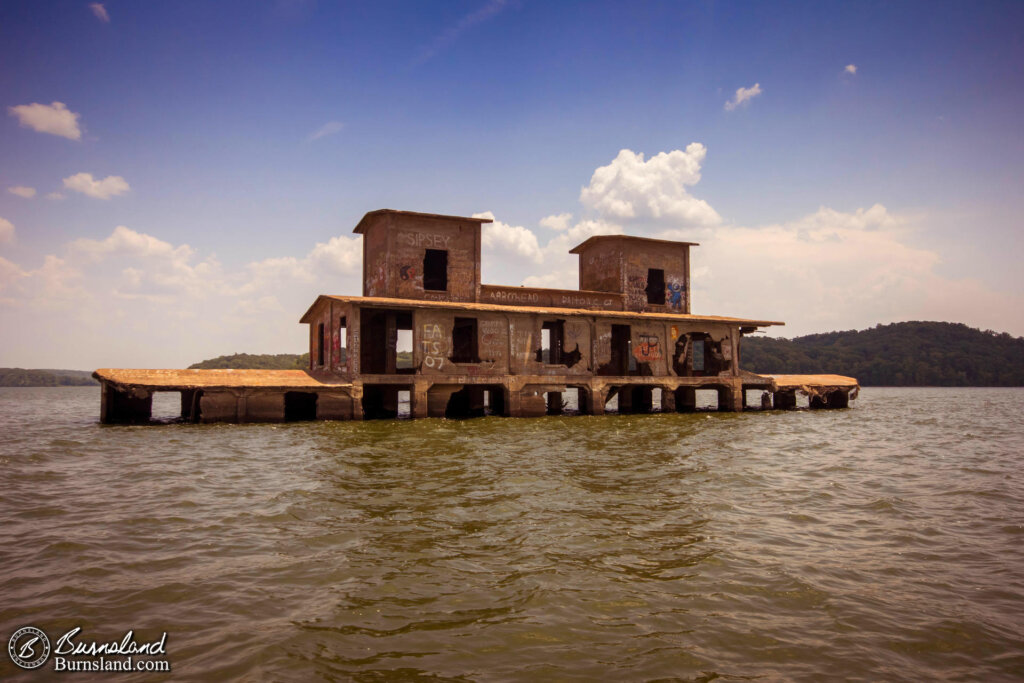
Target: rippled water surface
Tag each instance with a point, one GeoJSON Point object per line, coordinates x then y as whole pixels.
{"type": "Point", "coordinates": [881, 542]}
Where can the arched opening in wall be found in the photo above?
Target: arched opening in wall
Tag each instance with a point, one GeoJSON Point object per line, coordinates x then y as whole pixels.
{"type": "Point", "coordinates": [656, 400]}
{"type": "Point", "coordinates": [167, 407]}
{"type": "Point", "coordinates": [574, 401]}
{"type": "Point", "coordinates": [698, 355]}
{"type": "Point", "coordinates": [299, 406]}
{"type": "Point", "coordinates": [757, 399]}
{"type": "Point", "coordinates": [802, 400]}
{"type": "Point", "coordinates": [630, 399]}
{"type": "Point", "coordinates": [707, 399]}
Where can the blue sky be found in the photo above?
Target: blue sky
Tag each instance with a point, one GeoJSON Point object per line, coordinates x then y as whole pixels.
{"type": "Point", "coordinates": [872, 173]}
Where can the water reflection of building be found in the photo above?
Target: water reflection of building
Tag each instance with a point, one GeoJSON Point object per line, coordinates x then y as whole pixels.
{"type": "Point", "coordinates": [428, 331]}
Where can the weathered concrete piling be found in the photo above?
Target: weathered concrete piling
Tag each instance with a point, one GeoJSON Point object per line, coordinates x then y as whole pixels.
{"type": "Point", "coordinates": [426, 332]}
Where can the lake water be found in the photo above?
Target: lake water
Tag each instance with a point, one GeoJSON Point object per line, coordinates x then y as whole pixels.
{"type": "Point", "coordinates": [884, 542]}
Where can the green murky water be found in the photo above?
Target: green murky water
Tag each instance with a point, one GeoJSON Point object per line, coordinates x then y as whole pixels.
{"type": "Point", "coordinates": [884, 542]}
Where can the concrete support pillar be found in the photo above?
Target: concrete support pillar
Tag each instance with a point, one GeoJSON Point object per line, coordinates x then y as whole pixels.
{"type": "Point", "coordinates": [784, 400]}
{"type": "Point", "coordinates": [594, 398]}
{"type": "Point", "coordinates": [668, 400]}
{"type": "Point", "coordinates": [418, 400]}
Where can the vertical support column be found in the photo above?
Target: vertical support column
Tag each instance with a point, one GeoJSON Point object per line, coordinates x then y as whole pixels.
{"type": "Point", "coordinates": [418, 400]}
{"type": "Point", "coordinates": [668, 400]}
{"type": "Point", "coordinates": [594, 397]}
{"type": "Point", "coordinates": [391, 335]}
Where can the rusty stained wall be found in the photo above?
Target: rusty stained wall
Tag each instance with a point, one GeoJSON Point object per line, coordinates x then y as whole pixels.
{"type": "Point", "coordinates": [556, 298]}
{"type": "Point", "coordinates": [638, 258]}
{"type": "Point", "coordinates": [601, 267]}
{"type": "Point", "coordinates": [393, 249]}
{"type": "Point", "coordinates": [338, 360]}
{"type": "Point", "coordinates": [622, 266]}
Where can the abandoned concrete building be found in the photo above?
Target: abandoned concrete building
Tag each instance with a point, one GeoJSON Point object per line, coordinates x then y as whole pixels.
{"type": "Point", "coordinates": [428, 339]}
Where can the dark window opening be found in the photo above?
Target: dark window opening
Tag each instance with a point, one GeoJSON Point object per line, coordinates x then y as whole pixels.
{"type": "Point", "coordinates": [320, 344]}
{"type": "Point", "coordinates": [435, 270]}
{"type": "Point", "coordinates": [464, 341]}
{"type": "Point", "coordinates": [552, 342]}
{"type": "Point", "coordinates": [342, 340]}
{"type": "Point", "coordinates": [299, 405]}
{"type": "Point", "coordinates": [621, 346]}
{"type": "Point", "coordinates": [655, 286]}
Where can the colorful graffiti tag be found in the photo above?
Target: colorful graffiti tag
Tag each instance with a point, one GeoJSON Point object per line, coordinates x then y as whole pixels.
{"type": "Point", "coordinates": [648, 349]}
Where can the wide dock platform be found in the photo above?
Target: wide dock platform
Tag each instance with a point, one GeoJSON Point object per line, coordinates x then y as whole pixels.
{"type": "Point", "coordinates": [292, 395]}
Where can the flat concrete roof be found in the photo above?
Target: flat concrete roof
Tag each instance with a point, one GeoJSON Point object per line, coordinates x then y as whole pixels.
{"type": "Point", "coordinates": [629, 238]}
{"type": "Point", "coordinates": [359, 228]}
{"type": "Point", "coordinates": [213, 379]}
{"type": "Point", "coordinates": [384, 302]}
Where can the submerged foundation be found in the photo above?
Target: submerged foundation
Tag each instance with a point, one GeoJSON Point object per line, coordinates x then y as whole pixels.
{"type": "Point", "coordinates": [427, 339]}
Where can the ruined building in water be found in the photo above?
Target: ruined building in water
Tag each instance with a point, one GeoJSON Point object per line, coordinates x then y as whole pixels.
{"type": "Point", "coordinates": [428, 334]}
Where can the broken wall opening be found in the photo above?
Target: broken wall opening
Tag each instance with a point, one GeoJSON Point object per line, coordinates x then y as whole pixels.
{"type": "Point", "coordinates": [466, 402]}
{"type": "Point", "coordinates": [167, 406]}
{"type": "Point", "coordinates": [299, 406]}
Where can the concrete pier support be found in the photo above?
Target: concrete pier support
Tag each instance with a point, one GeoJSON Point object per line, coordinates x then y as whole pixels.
{"type": "Point", "coordinates": [668, 400]}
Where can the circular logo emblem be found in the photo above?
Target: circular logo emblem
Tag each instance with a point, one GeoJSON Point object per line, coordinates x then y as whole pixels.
{"type": "Point", "coordinates": [29, 647]}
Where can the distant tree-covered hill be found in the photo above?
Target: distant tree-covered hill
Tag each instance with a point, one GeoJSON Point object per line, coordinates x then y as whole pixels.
{"type": "Point", "coordinates": [19, 377]}
{"type": "Point", "coordinates": [255, 361]}
{"type": "Point", "coordinates": [900, 354]}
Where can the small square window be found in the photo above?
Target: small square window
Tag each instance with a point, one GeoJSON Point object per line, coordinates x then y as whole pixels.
{"type": "Point", "coordinates": [655, 286]}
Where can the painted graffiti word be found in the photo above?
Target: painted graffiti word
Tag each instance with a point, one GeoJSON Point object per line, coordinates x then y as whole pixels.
{"type": "Point", "coordinates": [420, 239]}
{"type": "Point", "coordinates": [407, 272]}
{"type": "Point", "coordinates": [519, 297]}
{"type": "Point", "coordinates": [585, 301]}
{"type": "Point", "coordinates": [433, 353]}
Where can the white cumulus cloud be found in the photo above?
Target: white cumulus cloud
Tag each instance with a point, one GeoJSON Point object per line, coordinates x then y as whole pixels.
{"type": "Point", "coordinates": [110, 186]}
{"type": "Point", "coordinates": [743, 95]}
{"type": "Point", "coordinates": [55, 119]}
{"type": "Point", "coordinates": [630, 188]}
{"type": "Point", "coordinates": [22, 191]}
{"type": "Point", "coordinates": [100, 11]}
{"type": "Point", "coordinates": [515, 239]}
{"type": "Point", "coordinates": [851, 68]}
{"type": "Point", "coordinates": [558, 221]}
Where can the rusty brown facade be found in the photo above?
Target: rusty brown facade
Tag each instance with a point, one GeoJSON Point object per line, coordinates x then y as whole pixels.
{"type": "Point", "coordinates": [427, 333]}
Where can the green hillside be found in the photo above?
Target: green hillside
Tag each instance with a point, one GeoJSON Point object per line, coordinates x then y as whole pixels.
{"type": "Point", "coordinates": [19, 377]}
{"type": "Point", "coordinates": [255, 361]}
{"type": "Point", "coordinates": [900, 354]}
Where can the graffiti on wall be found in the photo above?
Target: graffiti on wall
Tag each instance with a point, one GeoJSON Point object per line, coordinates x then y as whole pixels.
{"type": "Point", "coordinates": [676, 292]}
{"type": "Point", "coordinates": [423, 239]}
{"type": "Point", "coordinates": [636, 291]}
{"type": "Point", "coordinates": [407, 272]}
{"type": "Point", "coordinates": [648, 348]}
{"type": "Point", "coordinates": [433, 346]}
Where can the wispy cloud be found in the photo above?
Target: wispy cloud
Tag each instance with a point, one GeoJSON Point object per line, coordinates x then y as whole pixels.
{"type": "Point", "coordinates": [100, 11]}
{"type": "Point", "coordinates": [54, 195]}
{"type": "Point", "coordinates": [743, 95]}
{"type": "Point", "coordinates": [329, 128]}
{"type": "Point", "coordinates": [55, 119]}
{"type": "Point", "coordinates": [448, 36]}
{"type": "Point", "coordinates": [851, 68]}
{"type": "Point", "coordinates": [100, 189]}
{"type": "Point", "coordinates": [22, 191]}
